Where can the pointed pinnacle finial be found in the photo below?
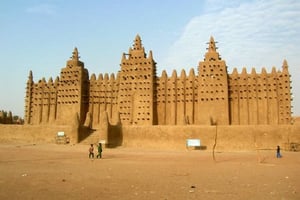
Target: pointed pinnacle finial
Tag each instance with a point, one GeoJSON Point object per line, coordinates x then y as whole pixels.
{"type": "Point", "coordinates": [212, 53]}
{"type": "Point", "coordinates": [150, 56]}
{"type": "Point", "coordinates": [75, 55]}
{"type": "Point", "coordinates": [285, 64]}
{"type": "Point", "coordinates": [137, 43]}
{"type": "Point", "coordinates": [138, 37]}
{"type": "Point", "coordinates": [30, 75]}
{"type": "Point", "coordinates": [285, 67]}
{"type": "Point", "coordinates": [212, 44]}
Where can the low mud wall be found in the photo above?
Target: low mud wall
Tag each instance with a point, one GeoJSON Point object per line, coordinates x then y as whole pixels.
{"type": "Point", "coordinates": [33, 133]}
{"type": "Point", "coordinates": [228, 138]}
{"type": "Point", "coordinates": [231, 138]}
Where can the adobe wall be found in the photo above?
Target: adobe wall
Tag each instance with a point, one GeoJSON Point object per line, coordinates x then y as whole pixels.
{"type": "Point", "coordinates": [257, 136]}
{"type": "Point", "coordinates": [229, 138]}
{"type": "Point", "coordinates": [137, 96]}
{"type": "Point", "coordinates": [33, 133]}
{"type": "Point", "coordinates": [166, 137]}
{"type": "Point", "coordinates": [103, 97]}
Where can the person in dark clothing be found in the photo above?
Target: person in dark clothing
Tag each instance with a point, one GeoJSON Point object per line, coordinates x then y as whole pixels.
{"type": "Point", "coordinates": [278, 152]}
{"type": "Point", "coordinates": [91, 151]}
{"type": "Point", "coordinates": [99, 151]}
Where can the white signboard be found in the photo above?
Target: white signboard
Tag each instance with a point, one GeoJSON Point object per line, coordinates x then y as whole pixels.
{"type": "Point", "coordinates": [60, 134]}
{"type": "Point", "coordinates": [193, 143]}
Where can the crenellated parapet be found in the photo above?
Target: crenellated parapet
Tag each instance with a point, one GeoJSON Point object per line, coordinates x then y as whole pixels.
{"type": "Point", "coordinates": [103, 97]}
{"type": "Point", "coordinates": [176, 98]}
{"type": "Point", "coordinates": [260, 98]}
{"type": "Point", "coordinates": [41, 101]}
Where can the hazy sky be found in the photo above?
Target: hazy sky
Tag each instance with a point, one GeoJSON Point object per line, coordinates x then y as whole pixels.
{"type": "Point", "coordinates": [40, 35]}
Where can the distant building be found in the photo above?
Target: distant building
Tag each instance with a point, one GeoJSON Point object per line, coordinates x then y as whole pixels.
{"type": "Point", "coordinates": [137, 96]}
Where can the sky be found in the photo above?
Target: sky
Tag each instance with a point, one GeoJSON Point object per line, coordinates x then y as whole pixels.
{"type": "Point", "coordinates": [40, 35]}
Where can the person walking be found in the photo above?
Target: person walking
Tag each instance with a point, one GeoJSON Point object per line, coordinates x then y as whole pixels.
{"type": "Point", "coordinates": [91, 151]}
{"type": "Point", "coordinates": [99, 150]}
{"type": "Point", "coordinates": [278, 155]}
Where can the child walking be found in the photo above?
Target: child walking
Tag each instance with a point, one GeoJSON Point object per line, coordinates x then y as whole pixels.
{"type": "Point", "coordinates": [91, 151]}
{"type": "Point", "coordinates": [99, 150]}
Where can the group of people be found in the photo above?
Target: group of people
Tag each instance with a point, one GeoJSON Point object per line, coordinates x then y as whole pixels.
{"type": "Point", "coordinates": [91, 151]}
{"type": "Point", "coordinates": [99, 155]}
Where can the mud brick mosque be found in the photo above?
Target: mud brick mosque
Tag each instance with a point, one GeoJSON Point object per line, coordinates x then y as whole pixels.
{"type": "Point", "coordinates": [137, 96]}
{"type": "Point", "coordinates": [137, 108]}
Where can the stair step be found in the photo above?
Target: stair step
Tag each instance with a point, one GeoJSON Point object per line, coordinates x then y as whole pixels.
{"type": "Point", "coordinates": [91, 139]}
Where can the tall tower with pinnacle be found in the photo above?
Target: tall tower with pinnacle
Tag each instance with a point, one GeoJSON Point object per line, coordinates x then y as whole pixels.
{"type": "Point", "coordinates": [28, 99]}
{"type": "Point", "coordinates": [285, 96]}
{"type": "Point", "coordinates": [136, 89]}
{"type": "Point", "coordinates": [212, 88]}
{"type": "Point", "coordinates": [72, 91]}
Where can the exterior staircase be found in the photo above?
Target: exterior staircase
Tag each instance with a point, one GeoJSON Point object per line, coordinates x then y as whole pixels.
{"type": "Point", "coordinates": [93, 138]}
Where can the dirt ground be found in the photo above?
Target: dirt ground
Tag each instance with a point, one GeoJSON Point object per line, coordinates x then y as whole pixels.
{"type": "Point", "coordinates": [52, 171]}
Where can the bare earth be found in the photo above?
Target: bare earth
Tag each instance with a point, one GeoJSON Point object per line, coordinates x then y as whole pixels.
{"type": "Point", "coordinates": [65, 172]}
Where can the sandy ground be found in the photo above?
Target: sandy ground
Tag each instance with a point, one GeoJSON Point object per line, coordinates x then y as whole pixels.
{"type": "Point", "coordinates": [65, 172]}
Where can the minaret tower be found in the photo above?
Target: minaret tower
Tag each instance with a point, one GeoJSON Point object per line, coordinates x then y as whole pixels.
{"type": "Point", "coordinates": [137, 77]}
{"type": "Point", "coordinates": [72, 97]}
{"type": "Point", "coordinates": [284, 95]}
{"type": "Point", "coordinates": [212, 89]}
{"type": "Point", "coordinates": [28, 99]}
